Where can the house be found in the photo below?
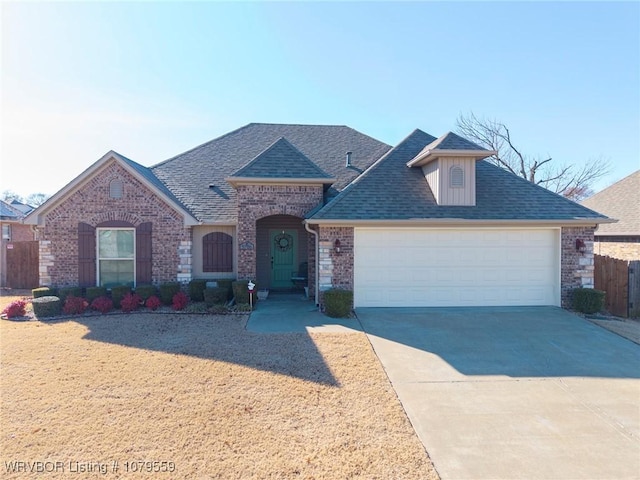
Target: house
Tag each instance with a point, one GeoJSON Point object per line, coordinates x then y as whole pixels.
{"type": "Point", "coordinates": [621, 201]}
{"type": "Point", "coordinates": [14, 232]}
{"type": "Point", "coordinates": [426, 222]}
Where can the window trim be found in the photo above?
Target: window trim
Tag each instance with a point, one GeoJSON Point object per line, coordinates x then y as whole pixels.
{"type": "Point", "coordinates": [216, 268]}
{"type": "Point", "coordinates": [9, 231]}
{"type": "Point", "coordinates": [99, 258]}
{"type": "Point", "coordinates": [116, 189]}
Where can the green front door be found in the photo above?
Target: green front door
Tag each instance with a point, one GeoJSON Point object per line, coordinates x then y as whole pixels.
{"type": "Point", "coordinates": [284, 257]}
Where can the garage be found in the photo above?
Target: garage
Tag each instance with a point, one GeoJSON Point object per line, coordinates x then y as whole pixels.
{"type": "Point", "coordinates": [444, 267]}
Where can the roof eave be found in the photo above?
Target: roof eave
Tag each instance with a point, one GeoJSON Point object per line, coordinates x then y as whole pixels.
{"type": "Point", "coordinates": [427, 156]}
{"type": "Point", "coordinates": [458, 222]}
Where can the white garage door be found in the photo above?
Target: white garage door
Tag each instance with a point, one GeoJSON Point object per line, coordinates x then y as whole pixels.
{"type": "Point", "coordinates": [456, 267]}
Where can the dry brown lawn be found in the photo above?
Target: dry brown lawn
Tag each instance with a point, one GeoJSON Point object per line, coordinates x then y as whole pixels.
{"type": "Point", "coordinates": [203, 393]}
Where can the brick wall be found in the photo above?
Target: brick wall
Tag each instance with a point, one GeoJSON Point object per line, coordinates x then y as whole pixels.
{"type": "Point", "coordinates": [20, 232]}
{"type": "Point", "coordinates": [92, 204]}
{"type": "Point", "coordinates": [336, 269]}
{"type": "Point", "coordinates": [576, 268]}
{"type": "Point", "coordinates": [259, 201]}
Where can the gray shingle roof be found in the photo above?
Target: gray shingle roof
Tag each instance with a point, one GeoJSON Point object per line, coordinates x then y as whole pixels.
{"type": "Point", "coordinates": [7, 212]}
{"type": "Point", "coordinates": [190, 174]}
{"type": "Point", "coordinates": [451, 141]}
{"type": "Point", "coordinates": [281, 160]}
{"type": "Point", "coordinates": [621, 201]}
{"type": "Point", "coordinates": [392, 191]}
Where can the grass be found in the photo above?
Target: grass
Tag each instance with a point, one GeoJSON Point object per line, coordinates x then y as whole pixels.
{"type": "Point", "coordinates": [203, 393]}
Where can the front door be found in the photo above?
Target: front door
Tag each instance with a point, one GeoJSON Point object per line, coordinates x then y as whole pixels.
{"type": "Point", "coordinates": [284, 257]}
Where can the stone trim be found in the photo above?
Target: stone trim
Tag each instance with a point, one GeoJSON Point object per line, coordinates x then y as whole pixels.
{"type": "Point", "coordinates": [47, 260]}
{"type": "Point", "coordinates": [576, 268]}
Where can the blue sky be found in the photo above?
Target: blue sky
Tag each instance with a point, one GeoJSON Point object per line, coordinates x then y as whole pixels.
{"type": "Point", "coordinates": [151, 80]}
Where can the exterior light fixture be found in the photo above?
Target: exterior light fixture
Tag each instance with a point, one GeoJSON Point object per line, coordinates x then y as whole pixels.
{"type": "Point", "coordinates": [580, 246]}
{"type": "Point", "coordinates": [336, 246]}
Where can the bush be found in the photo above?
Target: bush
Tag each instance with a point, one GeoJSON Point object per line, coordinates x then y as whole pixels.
{"type": "Point", "coordinates": [196, 289]}
{"type": "Point", "coordinates": [41, 292]}
{"type": "Point", "coordinates": [227, 283]}
{"type": "Point", "coordinates": [75, 305]}
{"type": "Point", "coordinates": [179, 301]}
{"type": "Point", "coordinates": [118, 293]}
{"type": "Point", "coordinates": [102, 304]}
{"type": "Point", "coordinates": [49, 306]}
{"type": "Point", "coordinates": [241, 291]}
{"type": "Point", "coordinates": [153, 302]}
{"type": "Point", "coordinates": [215, 296]}
{"type": "Point", "coordinates": [146, 291]}
{"type": "Point", "coordinates": [588, 300]}
{"type": "Point", "coordinates": [130, 302]}
{"type": "Point", "coordinates": [95, 292]}
{"type": "Point", "coordinates": [338, 303]}
{"type": "Point", "coordinates": [17, 308]}
{"type": "Point", "coordinates": [65, 292]}
{"type": "Point", "coordinates": [168, 291]}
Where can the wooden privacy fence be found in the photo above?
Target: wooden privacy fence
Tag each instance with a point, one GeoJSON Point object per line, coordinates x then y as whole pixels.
{"type": "Point", "coordinates": [620, 279]}
{"type": "Point", "coordinates": [22, 264]}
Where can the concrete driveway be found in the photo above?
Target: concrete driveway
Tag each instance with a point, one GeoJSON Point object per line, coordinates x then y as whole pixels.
{"type": "Point", "coordinates": [506, 393]}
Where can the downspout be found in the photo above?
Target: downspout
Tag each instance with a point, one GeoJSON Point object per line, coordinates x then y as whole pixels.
{"type": "Point", "coordinates": [317, 270]}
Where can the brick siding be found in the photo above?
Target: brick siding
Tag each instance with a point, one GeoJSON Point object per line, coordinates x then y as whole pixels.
{"type": "Point", "coordinates": [259, 201]}
{"type": "Point", "coordinates": [576, 268]}
{"type": "Point", "coordinates": [624, 250]}
{"type": "Point", "coordinates": [92, 204]}
{"type": "Point", "coordinates": [336, 269]}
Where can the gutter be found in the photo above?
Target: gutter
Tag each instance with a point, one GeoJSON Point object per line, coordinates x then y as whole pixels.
{"type": "Point", "coordinates": [433, 222]}
{"type": "Point", "coordinates": [317, 272]}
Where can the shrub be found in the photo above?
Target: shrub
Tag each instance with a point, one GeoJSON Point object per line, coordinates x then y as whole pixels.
{"type": "Point", "coordinates": [215, 296]}
{"type": "Point", "coordinates": [102, 304]}
{"type": "Point", "coordinates": [146, 291]}
{"type": "Point", "coordinates": [242, 307]}
{"type": "Point", "coordinates": [338, 303]}
{"type": "Point", "coordinates": [588, 300]}
{"type": "Point", "coordinates": [199, 307]}
{"type": "Point", "coordinates": [130, 302]}
{"type": "Point", "coordinates": [241, 291]}
{"type": "Point", "coordinates": [65, 292]}
{"type": "Point", "coordinates": [17, 308]}
{"type": "Point", "coordinates": [218, 309]}
{"type": "Point", "coordinates": [227, 283]}
{"type": "Point", "coordinates": [95, 292]}
{"type": "Point", "coordinates": [179, 301]}
{"type": "Point", "coordinates": [41, 292]}
{"type": "Point", "coordinates": [48, 306]}
{"type": "Point", "coordinates": [74, 305]}
{"type": "Point", "coordinates": [168, 291]}
{"type": "Point", "coordinates": [118, 293]}
{"type": "Point", "coordinates": [196, 289]}
{"type": "Point", "coordinates": [153, 302]}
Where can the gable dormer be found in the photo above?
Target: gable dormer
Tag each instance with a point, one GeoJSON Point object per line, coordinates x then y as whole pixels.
{"type": "Point", "coordinates": [449, 167]}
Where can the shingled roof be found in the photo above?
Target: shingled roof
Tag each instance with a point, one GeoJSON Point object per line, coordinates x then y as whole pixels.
{"type": "Point", "coordinates": [390, 190]}
{"type": "Point", "coordinates": [282, 160]}
{"type": "Point", "coordinates": [621, 201]}
{"type": "Point", "coordinates": [197, 177]}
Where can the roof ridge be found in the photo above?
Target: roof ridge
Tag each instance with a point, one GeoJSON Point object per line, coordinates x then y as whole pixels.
{"type": "Point", "coordinates": [604, 190]}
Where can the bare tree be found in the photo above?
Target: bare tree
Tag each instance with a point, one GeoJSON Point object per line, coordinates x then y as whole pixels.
{"type": "Point", "coordinates": [571, 181]}
{"type": "Point", "coordinates": [36, 199]}
{"type": "Point", "coordinates": [9, 195]}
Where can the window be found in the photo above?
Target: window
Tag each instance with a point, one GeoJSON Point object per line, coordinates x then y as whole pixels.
{"type": "Point", "coordinates": [116, 187]}
{"type": "Point", "coordinates": [6, 232]}
{"type": "Point", "coordinates": [456, 177]}
{"type": "Point", "coordinates": [116, 256]}
{"type": "Point", "coordinates": [217, 252]}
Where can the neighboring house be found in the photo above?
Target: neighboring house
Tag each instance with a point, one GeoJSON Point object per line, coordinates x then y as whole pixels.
{"type": "Point", "coordinates": [425, 223]}
{"type": "Point", "coordinates": [622, 202]}
{"type": "Point", "coordinates": [13, 230]}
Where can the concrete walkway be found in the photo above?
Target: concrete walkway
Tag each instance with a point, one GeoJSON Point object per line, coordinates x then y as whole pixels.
{"type": "Point", "coordinates": [507, 393]}
{"type": "Point", "coordinates": [294, 313]}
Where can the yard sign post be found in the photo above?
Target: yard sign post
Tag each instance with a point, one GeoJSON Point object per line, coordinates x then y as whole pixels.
{"type": "Point", "coordinates": [251, 286]}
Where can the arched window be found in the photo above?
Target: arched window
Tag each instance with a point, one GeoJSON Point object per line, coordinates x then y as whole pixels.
{"type": "Point", "coordinates": [217, 252]}
{"type": "Point", "coordinates": [456, 177]}
{"type": "Point", "coordinates": [116, 187]}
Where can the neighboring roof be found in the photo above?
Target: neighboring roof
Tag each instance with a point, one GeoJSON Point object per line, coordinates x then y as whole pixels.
{"type": "Point", "coordinates": [622, 201]}
{"type": "Point", "coordinates": [198, 176]}
{"type": "Point", "coordinates": [281, 160]}
{"type": "Point", "coordinates": [390, 190]}
{"type": "Point", "coordinates": [23, 207]}
{"type": "Point", "coordinates": [142, 173]}
{"type": "Point", "coordinates": [9, 212]}
{"type": "Point", "coordinates": [448, 145]}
